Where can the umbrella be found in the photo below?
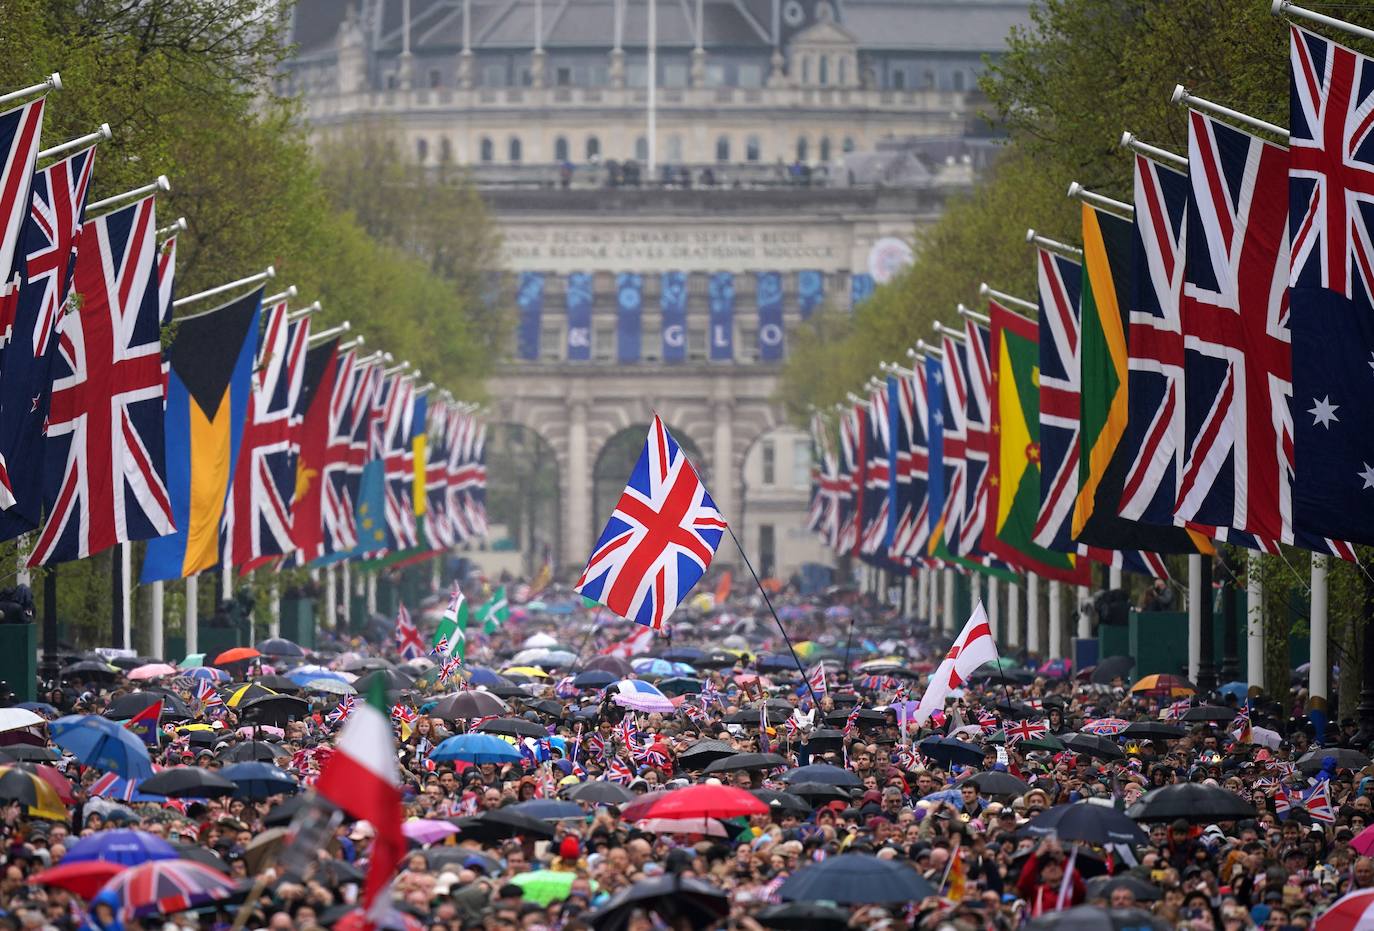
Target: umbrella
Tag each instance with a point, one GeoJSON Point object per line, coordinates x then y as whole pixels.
{"type": "Point", "coordinates": [1153, 730]}
{"type": "Point", "coordinates": [514, 673]}
{"type": "Point", "coordinates": [278, 646]}
{"type": "Point", "coordinates": [32, 791]}
{"type": "Point", "coordinates": [675, 898]}
{"type": "Point", "coordinates": [640, 696]}
{"type": "Point", "coordinates": [162, 887]}
{"type": "Point", "coordinates": [152, 671]}
{"type": "Point", "coordinates": [256, 780]}
{"type": "Point", "coordinates": [708, 827]}
{"type": "Point", "coordinates": [599, 792]}
{"type": "Point", "coordinates": [1194, 802]}
{"type": "Point", "coordinates": [803, 916]}
{"type": "Point", "coordinates": [88, 667]}
{"type": "Point", "coordinates": [339, 872]}
{"type": "Point", "coordinates": [776, 662]}
{"type": "Point", "coordinates": [85, 878]}
{"type": "Point", "coordinates": [1092, 745]}
{"type": "Point", "coordinates": [1164, 685]}
{"type": "Point", "coordinates": [193, 661]}
{"type": "Point", "coordinates": [1112, 667]}
{"type": "Point", "coordinates": [1094, 918]}
{"type": "Point", "coordinates": [1100, 887]}
{"type": "Point", "coordinates": [716, 659]}
{"type": "Point", "coordinates": [469, 704]}
{"type": "Point", "coordinates": [1217, 714]}
{"type": "Point", "coordinates": [501, 824]}
{"type": "Point", "coordinates": [546, 706]}
{"type": "Point", "coordinates": [330, 686]}
{"type": "Point", "coordinates": [103, 744]}
{"type": "Point", "coordinates": [679, 685]}
{"type": "Point", "coordinates": [393, 680]}
{"type": "Point", "coordinates": [1089, 823]}
{"type": "Point", "coordinates": [60, 783]}
{"type": "Point", "coordinates": [1313, 761]}
{"type": "Point", "coordinates": [202, 855]}
{"type": "Point", "coordinates": [825, 774]}
{"type": "Point", "coordinates": [782, 801]}
{"type": "Point", "coordinates": [856, 879]}
{"type": "Point", "coordinates": [122, 846]}
{"type": "Point", "coordinates": [613, 664]}
{"type": "Point", "coordinates": [207, 673]}
{"type": "Point", "coordinates": [428, 830]}
{"type": "Point", "coordinates": [27, 753]}
{"type": "Point", "coordinates": [514, 727]}
{"type": "Point", "coordinates": [264, 847]}
{"type": "Point", "coordinates": [239, 694]}
{"type": "Point", "coordinates": [254, 750]}
{"type": "Point", "coordinates": [187, 782]}
{"type": "Point", "coordinates": [1240, 691]}
{"type": "Point", "coordinates": [947, 751]}
{"type": "Point", "coordinates": [681, 654]}
{"type": "Point", "coordinates": [39, 707]}
{"type": "Point", "coordinates": [545, 886]}
{"type": "Point", "coordinates": [1042, 742]}
{"type": "Point", "coordinates": [593, 679]}
{"type": "Point", "coordinates": [475, 748]}
{"type": "Point", "coordinates": [1364, 841]}
{"type": "Point", "coordinates": [279, 683]}
{"type": "Point", "coordinates": [236, 655]}
{"type": "Point", "coordinates": [697, 801]}
{"type": "Point", "coordinates": [274, 709]}
{"type": "Point", "coordinates": [549, 809]}
{"type": "Point", "coordinates": [281, 814]}
{"type": "Point", "coordinates": [825, 740]}
{"type": "Point", "coordinates": [1105, 727]}
{"type": "Point", "coordinates": [704, 752]}
{"type": "Point", "coordinates": [1353, 912]}
{"type": "Point", "coordinates": [127, 706]}
{"type": "Point", "coordinates": [996, 782]}
{"type": "Point", "coordinates": [743, 762]}
{"type": "Point", "coordinates": [302, 675]}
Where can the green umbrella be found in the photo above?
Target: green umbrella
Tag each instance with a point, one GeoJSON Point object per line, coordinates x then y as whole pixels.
{"type": "Point", "coordinates": [545, 886]}
{"type": "Point", "coordinates": [192, 661]}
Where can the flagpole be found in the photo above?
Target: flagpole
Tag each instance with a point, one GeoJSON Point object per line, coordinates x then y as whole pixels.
{"type": "Point", "coordinates": [100, 135]}
{"type": "Point", "coordinates": [54, 82]}
{"type": "Point", "coordinates": [1182, 97]}
{"type": "Point", "coordinates": [769, 601]}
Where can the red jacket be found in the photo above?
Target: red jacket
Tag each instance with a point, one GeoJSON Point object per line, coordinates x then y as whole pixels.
{"type": "Point", "coordinates": [1044, 898]}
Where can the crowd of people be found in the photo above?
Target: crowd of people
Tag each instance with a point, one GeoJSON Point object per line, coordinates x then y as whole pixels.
{"type": "Point", "coordinates": [1007, 807]}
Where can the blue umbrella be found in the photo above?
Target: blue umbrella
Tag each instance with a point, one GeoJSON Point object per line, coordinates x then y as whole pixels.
{"type": "Point", "coordinates": [259, 780]}
{"type": "Point", "coordinates": [593, 679]}
{"type": "Point", "coordinates": [39, 707]}
{"type": "Point", "coordinates": [103, 744]}
{"type": "Point", "coordinates": [550, 809]}
{"type": "Point", "coordinates": [475, 748]}
{"type": "Point", "coordinates": [304, 675]}
{"type": "Point", "coordinates": [1241, 690]}
{"type": "Point", "coordinates": [652, 666]}
{"type": "Point", "coordinates": [481, 675]}
{"type": "Point", "coordinates": [120, 846]}
{"type": "Point", "coordinates": [947, 751]}
{"type": "Point", "coordinates": [953, 796]}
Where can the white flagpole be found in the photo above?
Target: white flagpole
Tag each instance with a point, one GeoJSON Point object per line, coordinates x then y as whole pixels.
{"type": "Point", "coordinates": [192, 615]}
{"type": "Point", "coordinates": [653, 87]}
{"type": "Point", "coordinates": [119, 200]}
{"type": "Point", "coordinates": [1011, 300]}
{"type": "Point", "coordinates": [1181, 96]}
{"type": "Point", "coordinates": [264, 275]}
{"type": "Point", "coordinates": [1279, 7]}
{"type": "Point", "coordinates": [99, 135]}
{"type": "Point", "coordinates": [54, 82]}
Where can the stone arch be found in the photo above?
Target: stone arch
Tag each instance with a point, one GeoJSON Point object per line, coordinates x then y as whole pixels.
{"type": "Point", "coordinates": [615, 459]}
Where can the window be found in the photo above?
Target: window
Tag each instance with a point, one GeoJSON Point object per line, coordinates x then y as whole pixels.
{"type": "Point", "coordinates": [641, 149]}
{"type": "Point", "coordinates": [803, 149]}
{"type": "Point", "coordinates": [675, 74]}
{"type": "Point", "coordinates": [849, 143]}
{"type": "Point", "coordinates": [436, 77]}
{"type": "Point", "coordinates": [560, 149]}
{"type": "Point", "coordinates": [488, 150]}
{"type": "Point", "coordinates": [675, 148]}
{"type": "Point", "coordinates": [806, 69]}
{"type": "Point", "coordinates": [493, 75]}
{"type": "Point", "coordinates": [421, 150]}
{"type": "Point", "coordinates": [445, 150]}
{"type": "Point", "coordinates": [563, 76]}
{"type": "Point", "coordinates": [603, 343]}
{"type": "Point", "coordinates": [749, 75]}
{"type": "Point", "coordinates": [753, 150]}
{"type": "Point", "coordinates": [843, 77]}
{"type": "Point", "coordinates": [768, 454]}
{"type": "Point", "coordinates": [928, 80]}
{"type": "Point", "coordinates": [825, 149]}
{"type": "Point", "coordinates": [824, 70]}
{"type": "Point", "coordinates": [723, 149]}
{"type": "Point", "coordinates": [801, 463]}
{"type": "Point", "coordinates": [513, 150]}
{"type": "Point", "coordinates": [899, 80]}
{"type": "Point", "coordinates": [768, 550]}
{"type": "Point", "coordinates": [958, 80]}
{"type": "Point", "coordinates": [718, 76]}
{"type": "Point", "coordinates": [593, 148]}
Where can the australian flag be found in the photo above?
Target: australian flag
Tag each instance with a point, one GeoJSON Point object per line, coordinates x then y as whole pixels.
{"type": "Point", "coordinates": [660, 539]}
{"type": "Point", "coordinates": [1331, 281]}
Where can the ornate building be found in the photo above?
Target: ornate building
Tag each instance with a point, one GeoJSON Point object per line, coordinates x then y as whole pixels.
{"type": "Point", "coordinates": [783, 158]}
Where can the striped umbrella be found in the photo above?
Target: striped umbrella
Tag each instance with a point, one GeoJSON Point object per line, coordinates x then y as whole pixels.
{"type": "Point", "coordinates": [1355, 910]}
{"type": "Point", "coordinates": [164, 887]}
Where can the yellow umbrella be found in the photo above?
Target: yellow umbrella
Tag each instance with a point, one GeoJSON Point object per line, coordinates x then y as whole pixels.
{"type": "Point", "coordinates": [532, 671]}
{"type": "Point", "coordinates": [188, 728]}
{"type": "Point", "coordinates": [247, 693]}
{"type": "Point", "coordinates": [32, 791]}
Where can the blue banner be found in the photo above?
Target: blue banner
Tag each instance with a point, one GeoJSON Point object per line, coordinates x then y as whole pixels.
{"type": "Point", "coordinates": [810, 292]}
{"type": "Point", "coordinates": [672, 305]}
{"type": "Point", "coordinates": [629, 290]}
{"type": "Point", "coordinates": [579, 317]}
{"type": "Point", "coordinates": [768, 293]}
{"type": "Point", "coordinates": [722, 302]}
{"type": "Point", "coordinates": [860, 287]}
{"type": "Point", "coordinates": [529, 298]}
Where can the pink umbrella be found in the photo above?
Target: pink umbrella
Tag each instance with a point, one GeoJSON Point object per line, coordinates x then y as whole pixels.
{"type": "Point", "coordinates": [153, 671]}
{"type": "Point", "coordinates": [1353, 911]}
{"type": "Point", "coordinates": [164, 887]}
{"type": "Point", "coordinates": [427, 830]}
{"type": "Point", "coordinates": [1364, 841]}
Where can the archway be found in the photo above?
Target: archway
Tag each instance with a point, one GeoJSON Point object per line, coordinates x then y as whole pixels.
{"type": "Point", "coordinates": [523, 493]}
{"type": "Point", "coordinates": [617, 459]}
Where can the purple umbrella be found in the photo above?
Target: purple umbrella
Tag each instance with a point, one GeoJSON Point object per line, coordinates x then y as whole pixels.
{"type": "Point", "coordinates": [427, 830]}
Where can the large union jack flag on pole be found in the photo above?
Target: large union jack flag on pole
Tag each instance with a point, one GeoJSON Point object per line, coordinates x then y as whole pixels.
{"type": "Point", "coordinates": [913, 467]}
{"type": "Point", "coordinates": [660, 539]}
{"type": "Point", "coordinates": [106, 480]}
{"type": "Point", "coordinates": [874, 536]}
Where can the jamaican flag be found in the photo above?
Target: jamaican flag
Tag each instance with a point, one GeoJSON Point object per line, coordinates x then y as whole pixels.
{"type": "Point", "coordinates": [1104, 354]}
{"type": "Point", "coordinates": [1014, 454]}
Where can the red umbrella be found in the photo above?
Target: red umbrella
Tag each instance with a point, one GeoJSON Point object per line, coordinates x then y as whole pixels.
{"type": "Point", "coordinates": [84, 878]}
{"type": "Point", "coordinates": [236, 655]}
{"type": "Point", "coordinates": [1355, 910]}
{"type": "Point", "coordinates": [696, 801]}
{"type": "Point", "coordinates": [164, 887]}
{"type": "Point", "coordinates": [1364, 841]}
{"type": "Point", "coordinates": [356, 920]}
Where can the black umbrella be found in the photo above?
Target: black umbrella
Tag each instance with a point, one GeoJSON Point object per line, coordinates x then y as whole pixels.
{"type": "Point", "coordinates": [679, 685]}
{"type": "Point", "coordinates": [1194, 802]}
{"type": "Point", "coordinates": [594, 679]}
{"type": "Point", "coordinates": [259, 780]}
{"type": "Point", "coordinates": [1103, 748]}
{"type": "Point", "coordinates": [365, 663]}
{"type": "Point", "coordinates": [507, 690]}
{"type": "Point", "coordinates": [280, 815]}
{"type": "Point", "coordinates": [547, 707]}
{"type": "Point", "coordinates": [473, 703]}
{"type": "Point", "coordinates": [749, 717]}
{"type": "Point", "coordinates": [783, 801]}
{"type": "Point", "coordinates": [716, 659]}
{"type": "Point", "coordinates": [187, 782]}
{"type": "Point", "coordinates": [1015, 710]}
{"type": "Point", "coordinates": [274, 709]}
{"type": "Point", "coordinates": [704, 752]}
{"type": "Point", "coordinates": [277, 646]}
{"type": "Point", "coordinates": [615, 665]}
{"type": "Point", "coordinates": [336, 873]}
{"type": "Point", "coordinates": [438, 857]}
{"type": "Point", "coordinates": [996, 782]}
{"type": "Point", "coordinates": [818, 793]}
{"type": "Point", "coordinates": [89, 667]}
{"type": "Point", "coordinates": [777, 662]}
{"type": "Point", "coordinates": [513, 727]}
{"type": "Point", "coordinates": [1089, 823]}
{"type": "Point", "coordinates": [681, 654]}
{"type": "Point", "coordinates": [1100, 887]}
{"type": "Point", "coordinates": [599, 792]}
{"type": "Point", "coordinates": [803, 916]}
{"type": "Point", "coordinates": [1215, 714]}
{"type": "Point", "coordinates": [825, 739]}
{"type": "Point", "coordinates": [279, 684]}
{"type": "Point", "coordinates": [502, 824]}
{"type": "Point", "coordinates": [253, 750]}
{"type": "Point", "coordinates": [393, 680]}
{"type": "Point", "coordinates": [824, 773]}
{"type": "Point", "coordinates": [947, 751]}
{"type": "Point", "coordinates": [202, 855]}
{"type": "Point", "coordinates": [1311, 763]}
{"type": "Point", "coordinates": [1113, 667]}
{"type": "Point", "coordinates": [127, 706]}
{"type": "Point", "coordinates": [673, 897]}
{"type": "Point", "coordinates": [866, 717]}
{"type": "Point", "coordinates": [1153, 730]}
{"type": "Point", "coordinates": [856, 879]}
{"type": "Point", "coordinates": [25, 753]}
{"type": "Point", "coordinates": [745, 762]}
{"type": "Point", "coordinates": [1093, 918]}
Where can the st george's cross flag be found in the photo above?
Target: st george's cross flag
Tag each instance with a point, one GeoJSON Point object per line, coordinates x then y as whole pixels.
{"type": "Point", "coordinates": [972, 648]}
{"type": "Point", "coordinates": [660, 539]}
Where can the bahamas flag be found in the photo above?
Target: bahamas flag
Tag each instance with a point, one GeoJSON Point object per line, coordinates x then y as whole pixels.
{"type": "Point", "coordinates": [208, 386]}
{"type": "Point", "coordinates": [1014, 454]}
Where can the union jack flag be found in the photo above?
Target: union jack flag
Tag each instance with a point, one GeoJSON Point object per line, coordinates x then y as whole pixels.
{"type": "Point", "coordinates": [978, 427]}
{"type": "Point", "coordinates": [339, 486]}
{"type": "Point", "coordinates": [403, 714]}
{"type": "Point", "coordinates": [342, 710]}
{"type": "Point", "coordinates": [987, 721]}
{"type": "Point", "coordinates": [851, 721]}
{"type": "Point", "coordinates": [907, 758]}
{"type": "Point", "coordinates": [450, 668]}
{"type": "Point", "coordinates": [629, 736]}
{"type": "Point", "coordinates": [912, 528]}
{"type": "Point", "coordinates": [398, 454]}
{"type": "Point", "coordinates": [20, 130]}
{"type": "Point", "coordinates": [852, 464]}
{"type": "Point", "coordinates": [439, 525]}
{"type": "Point", "coordinates": [105, 422]}
{"type": "Point", "coordinates": [954, 438]}
{"type": "Point", "coordinates": [1174, 711]}
{"type": "Point", "coordinates": [660, 538]}
{"type": "Point", "coordinates": [257, 511]}
{"type": "Point", "coordinates": [596, 746]}
{"type": "Point", "coordinates": [816, 678]}
{"type": "Point", "coordinates": [709, 693]}
{"type": "Point", "coordinates": [1105, 727]}
{"type": "Point", "coordinates": [826, 484]}
{"type": "Point", "coordinates": [28, 320]}
{"type": "Point", "coordinates": [618, 771]}
{"type": "Point", "coordinates": [1025, 730]}
{"type": "Point", "coordinates": [793, 728]}
{"type": "Point", "coordinates": [874, 536]}
{"type": "Point", "coordinates": [467, 482]}
{"type": "Point", "coordinates": [408, 642]}
{"type": "Point", "coordinates": [206, 695]}
{"type": "Point", "coordinates": [440, 647]}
